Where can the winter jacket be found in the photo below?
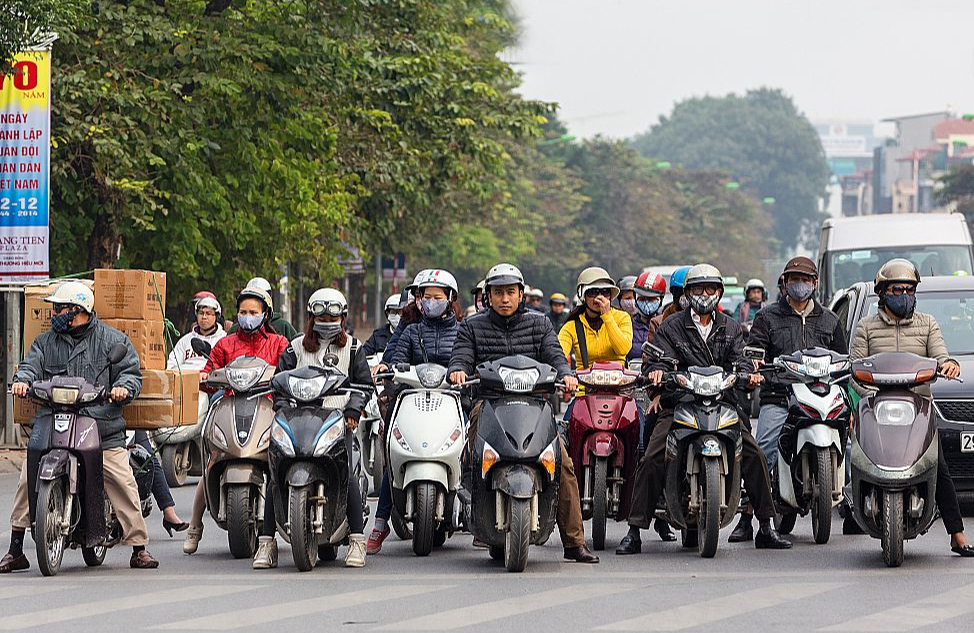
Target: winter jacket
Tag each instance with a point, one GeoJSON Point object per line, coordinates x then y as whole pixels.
{"type": "Point", "coordinates": [377, 343]}
{"type": "Point", "coordinates": [778, 330]}
{"type": "Point", "coordinates": [352, 361]}
{"type": "Point", "coordinates": [280, 325]}
{"type": "Point", "coordinates": [488, 336]}
{"type": "Point", "coordinates": [640, 333]}
{"type": "Point", "coordinates": [182, 355]}
{"type": "Point", "coordinates": [393, 343]}
{"type": "Point", "coordinates": [919, 334]}
{"type": "Point", "coordinates": [611, 342]}
{"type": "Point", "coordinates": [558, 320]}
{"type": "Point", "coordinates": [657, 320]}
{"type": "Point", "coordinates": [261, 344]}
{"type": "Point", "coordinates": [746, 311]}
{"type": "Point", "coordinates": [429, 341]}
{"type": "Point", "coordinates": [53, 354]}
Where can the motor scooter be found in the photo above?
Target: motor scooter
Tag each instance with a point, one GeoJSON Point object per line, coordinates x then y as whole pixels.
{"type": "Point", "coordinates": [181, 448]}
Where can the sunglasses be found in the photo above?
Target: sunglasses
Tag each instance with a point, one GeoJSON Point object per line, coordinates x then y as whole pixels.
{"type": "Point", "coordinates": [61, 307]}
{"type": "Point", "coordinates": [595, 292]}
{"type": "Point", "coordinates": [321, 308]}
{"type": "Point", "coordinates": [896, 291]}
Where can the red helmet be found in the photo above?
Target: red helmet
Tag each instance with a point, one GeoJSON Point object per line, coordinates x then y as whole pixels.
{"type": "Point", "coordinates": [202, 294]}
{"type": "Point", "coordinates": [650, 284]}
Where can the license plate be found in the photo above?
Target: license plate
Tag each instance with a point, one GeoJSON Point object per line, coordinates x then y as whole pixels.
{"type": "Point", "coordinates": [967, 442]}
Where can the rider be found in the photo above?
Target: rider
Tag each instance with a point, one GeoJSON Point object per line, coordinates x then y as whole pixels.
{"type": "Point", "coordinates": [794, 322]}
{"type": "Point", "coordinates": [208, 327]}
{"type": "Point", "coordinates": [506, 329]}
{"type": "Point", "coordinates": [755, 299]}
{"type": "Point", "coordinates": [427, 341]}
{"type": "Point", "coordinates": [324, 335]}
{"type": "Point", "coordinates": [648, 290]}
{"type": "Point", "coordinates": [558, 312]}
{"type": "Point", "coordinates": [256, 337]}
{"type": "Point", "coordinates": [898, 327]}
{"type": "Point", "coordinates": [627, 298]}
{"type": "Point", "coordinates": [534, 300]}
{"type": "Point", "coordinates": [477, 292]}
{"type": "Point", "coordinates": [595, 330]}
{"type": "Point", "coordinates": [281, 325]}
{"type": "Point", "coordinates": [77, 345]}
{"type": "Point", "coordinates": [677, 278]}
{"type": "Point", "coordinates": [379, 339]}
{"type": "Point", "coordinates": [702, 336]}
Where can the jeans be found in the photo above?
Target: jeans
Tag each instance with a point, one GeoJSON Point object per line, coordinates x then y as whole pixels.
{"type": "Point", "coordinates": [383, 509]}
{"type": "Point", "coordinates": [770, 421]}
{"type": "Point", "coordinates": [160, 487]}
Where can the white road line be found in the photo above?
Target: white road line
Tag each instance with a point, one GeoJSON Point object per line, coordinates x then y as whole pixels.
{"type": "Point", "coordinates": [19, 591]}
{"type": "Point", "coordinates": [477, 614]}
{"type": "Point", "coordinates": [278, 611]}
{"type": "Point", "coordinates": [710, 611]}
{"type": "Point", "coordinates": [117, 603]}
{"type": "Point", "coordinates": [924, 612]}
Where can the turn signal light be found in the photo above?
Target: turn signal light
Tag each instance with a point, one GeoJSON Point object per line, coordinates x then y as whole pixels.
{"type": "Point", "coordinates": [488, 460]}
{"type": "Point", "coordinates": [863, 376]}
{"type": "Point", "coordinates": [547, 460]}
{"type": "Point", "coordinates": [926, 375]}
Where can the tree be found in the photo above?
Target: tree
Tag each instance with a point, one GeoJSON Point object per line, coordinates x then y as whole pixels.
{"type": "Point", "coordinates": [759, 139]}
{"type": "Point", "coordinates": [22, 21]}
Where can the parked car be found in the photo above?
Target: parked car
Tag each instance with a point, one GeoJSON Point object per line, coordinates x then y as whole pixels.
{"type": "Point", "coordinates": [951, 301]}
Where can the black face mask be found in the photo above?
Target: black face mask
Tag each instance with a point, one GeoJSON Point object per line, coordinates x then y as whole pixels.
{"type": "Point", "coordinates": [901, 306]}
{"type": "Point", "coordinates": [61, 323]}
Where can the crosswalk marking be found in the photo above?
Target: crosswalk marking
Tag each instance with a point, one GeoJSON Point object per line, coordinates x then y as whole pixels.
{"type": "Point", "coordinates": [710, 611]}
{"type": "Point", "coordinates": [19, 591]}
{"type": "Point", "coordinates": [275, 612]}
{"type": "Point", "coordinates": [924, 612]}
{"type": "Point", "coordinates": [477, 614]}
{"type": "Point", "coordinates": [117, 603]}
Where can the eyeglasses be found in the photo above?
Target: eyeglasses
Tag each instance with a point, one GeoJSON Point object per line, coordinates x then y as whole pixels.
{"type": "Point", "coordinates": [207, 312]}
{"type": "Point", "coordinates": [331, 308]}
{"type": "Point", "coordinates": [703, 290]}
{"type": "Point", "coordinates": [899, 290]}
{"type": "Point", "coordinates": [591, 293]}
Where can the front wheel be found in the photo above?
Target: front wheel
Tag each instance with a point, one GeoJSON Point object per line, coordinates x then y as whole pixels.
{"type": "Point", "coordinates": [785, 523]}
{"type": "Point", "coordinates": [176, 461]}
{"type": "Point", "coordinates": [304, 543]}
{"type": "Point", "coordinates": [892, 528]}
{"type": "Point", "coordinates": [822, 496]}
{"type": "Point", "coordinates": [518, 537]}
{"type": "Point", "coordinates": [94, 556]}
{"type": "Point", "coordinates": [599, 497]}
{"type": "Point", "coordinates": [708, 525]}
{"type": "Point", "coordinates": [49, 541]}
{"type": "Point", "coordinates": [424, 518]}
{"type": "Point", "coordinates": [242, 520]}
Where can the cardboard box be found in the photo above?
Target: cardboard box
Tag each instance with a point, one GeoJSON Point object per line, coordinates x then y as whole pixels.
{"type": "Point", "coordinates": [150, 414]}
{"type": "Point", "coordinates": [169, 384]}
{"type": "Point", "coordinates": [130, 294]}
{"type": "Point", "coordinates": [24, 410]}
{"type": "Point", "coordinates": [148, 339]}
{"type": "Point", "coordinates": [37, 312]}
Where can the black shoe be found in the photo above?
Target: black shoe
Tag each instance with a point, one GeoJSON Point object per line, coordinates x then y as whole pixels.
{"type": "Point", "coordinates": [174, 527]}
{"type": "Point", "coordinates": [580, 554]}
{"type": "Point", "coordinates": [630, 544]}
{"type": "Point", "coordinates": [663, 529]}
{"type": "Point", "coordinates": [768, 538]}
{"type": "Point", "coordinates": [744, 531]}
{"type": "Point", "coordinates": [691, 538]}
{"type": "Point", "coordinates": [850, 526]}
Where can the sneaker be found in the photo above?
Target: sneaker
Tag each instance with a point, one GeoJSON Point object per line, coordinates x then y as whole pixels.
{"type": "Point", "coordinates": [192, 541]}
{"type": "Point", "coordinates": [355, 556]}
{"type": "Point", "coordinates": [266, 556]}
{"type": "Point", "coordinates": [375, 540]}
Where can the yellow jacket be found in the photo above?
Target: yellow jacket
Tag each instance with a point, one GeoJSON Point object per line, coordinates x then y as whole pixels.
{"type": "Point", "coordinates": [611, 342]}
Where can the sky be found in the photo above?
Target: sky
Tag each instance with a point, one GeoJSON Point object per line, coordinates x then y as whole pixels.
{"type": "Point", "coordinates": [615, 66]}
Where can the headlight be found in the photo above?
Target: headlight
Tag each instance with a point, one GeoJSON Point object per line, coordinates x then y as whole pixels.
{"type": "Point", "coordinates": [547, 460]}
{"type": "Point", "coordinates": [329, 434]}
{"type": "Point", "coordinates": [895, 413]}
{"type": "Point", "coordinates": [282, 438]}
{"type": "Point", "coordinates": [816, 366]}
{"type": "Point", "coordinates": [306, 389]}
{"type": "Point", "coordinates": [488, 459]}
{"type": "Point", "coordinates": [242, 379]}
{"type": "Point", "coordinates": [63, 395]}
{"type": "Point", "coordinates": [450, 441]}
{"type": "Point", "coordinates": [606, 378]}
{"type": "Point", "coordinates": [519, 380]}
{"type": "Point", "coordinates": [431, 376]}
{"type": "Point", "coordinates": [218, 438]}
{"type": "Point", "coordinates": [710, 385]}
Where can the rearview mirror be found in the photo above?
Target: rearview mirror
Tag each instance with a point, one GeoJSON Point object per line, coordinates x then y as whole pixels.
{"type": "Point", "coordinates": [752, 352]}
{"type": "Point", "coordinates": [117, 353]}
{"type": "Point", "coordinates": [652, 351]}
{"type": "Point", "coordinates": [201, 347]}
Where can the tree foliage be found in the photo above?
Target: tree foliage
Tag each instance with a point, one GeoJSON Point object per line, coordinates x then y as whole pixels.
{"type": "Point", "coordinates": [22, 20]}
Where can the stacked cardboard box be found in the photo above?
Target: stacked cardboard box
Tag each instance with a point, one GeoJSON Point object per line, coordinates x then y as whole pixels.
{"type": "Point", "coordinates": [134, 301]}
{"type": "Point", "coordinates": [168, 398]}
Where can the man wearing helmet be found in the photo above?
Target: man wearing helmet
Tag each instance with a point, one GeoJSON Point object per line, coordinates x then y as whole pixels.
{"type": "Point", "coordinates": [534, 300]}
{"type": "Point", "coordinates": [506, 328]}
{"type": "Point", "coordinates": [703, 336]}
{"type": "Point", "coordinates": [755, 296]}
{"type": "Point", "coordinates": [281, 325]}
{"type": "Point", "coordinates": [558, 310]}
{"type": "Point", "coordinates": [78, 344]}
{"type": "Point", "coordinates": [898, 327]}
{"type": "Point", "coordinates": [381, 335]}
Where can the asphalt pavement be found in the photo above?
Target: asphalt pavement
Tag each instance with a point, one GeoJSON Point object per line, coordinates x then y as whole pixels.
{"type": "Point", "coordinates": [840, 586]}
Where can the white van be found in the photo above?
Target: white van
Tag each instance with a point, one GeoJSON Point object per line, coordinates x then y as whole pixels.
{"type": "Point", "coordinates": [853, 249]}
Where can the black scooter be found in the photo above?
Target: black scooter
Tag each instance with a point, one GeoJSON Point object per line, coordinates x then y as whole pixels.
{"type": "Point", "coordinates": [515, 460]}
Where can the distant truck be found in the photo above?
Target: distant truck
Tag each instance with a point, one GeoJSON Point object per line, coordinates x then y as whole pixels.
{"type": "Point", "coordinates": [853, 249]}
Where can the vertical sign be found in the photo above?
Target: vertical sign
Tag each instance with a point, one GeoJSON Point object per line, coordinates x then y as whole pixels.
{"type": "Point", "coordinates": [25, 152]}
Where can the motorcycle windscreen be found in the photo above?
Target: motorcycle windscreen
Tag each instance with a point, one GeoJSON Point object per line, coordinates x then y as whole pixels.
{"type": "Point", "coordinates": [517, 427]}
{"type": "Point", "coordinates": [894, 432]}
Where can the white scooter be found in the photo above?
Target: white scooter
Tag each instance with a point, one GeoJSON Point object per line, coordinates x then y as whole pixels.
{"type": "Point", "coordinates": [181, 448]}
{"type": "Point", "coordinates": [426, 440]}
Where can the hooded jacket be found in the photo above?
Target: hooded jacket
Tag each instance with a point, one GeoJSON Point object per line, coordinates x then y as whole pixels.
{"type": "Point", "coordinates": [182, 355]}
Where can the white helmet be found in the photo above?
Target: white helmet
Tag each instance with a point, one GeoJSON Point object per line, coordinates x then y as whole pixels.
{"type": "Point", "coordinates": [74, 293]}
{"type": "Point", "coordinates": [503, 275]}
{"type": "Point", "coordinates": [411, 288]}
{"type": "Point", "coordinates": [210, 302]}
{"type": "Point", "coordinates": [260, 282]}
{"type": "Point", "coordinates": [392, 303]}
{"type": "Point", "coordinates": [253, 292]}
{"type": "Point", "coordinates": [327, 301]}
{"type": "Point", "coordinates": [535, 293]}
{"type": "Point", "coordinates": [437, 278]}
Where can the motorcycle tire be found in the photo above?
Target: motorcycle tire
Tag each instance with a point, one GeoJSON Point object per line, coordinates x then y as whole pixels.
{"type": "Point", "coordinates": [785, 523]}
{"type": "Point", "coordinates": [708, 525]}
{"type": "Point", "coordinates": [496, 552]}
{"type": "Point", "coordinates": [822, 496]}
{"type": "Point", "coordinates": [378, 466]}
{"type": "Point", "coordinates": [242, 520]}
{"type": "Point", "coordinates": [400, 527]}
{"type": "Point", "coordinates": [175, 464]}
{"type": "Point", "coordinates": [304, 542]}
{"type": "Point", "coordinates": [600, 495]}
{"type": "Point", "coordinates": [518, 537]}
{"type": "Point", "coordinates": [892, 528]}
{"type": "Point", "coordinates": [689, 538]}
{"type": "Point", "coordinates": [424, 518]}
{"type": "Point", "coordinates": [94, 556]}
{"type": "Point", "coordinates": [327, 553]}
{"type": "Point", "coordinates": [49, 542]}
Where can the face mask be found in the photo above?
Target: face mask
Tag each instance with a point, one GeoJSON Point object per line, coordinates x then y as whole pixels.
{"type": "Point", "coordinates": [629, 306]}
{"type": "Point", "coordinates": [434, 308]}
{"type": "Point", "coordinates": [250, 322]}
{"type": "Point", "coordinates": [703, 304]}
{"type": "Point", "coordinates": [327, 332]}
{"type": "Point", "coordinates": [479, 305]}
{"type": "Point", "coordinates": [648, 307]}
{"type": "Point", "coordinates": [683, 302]}
{"type": "Point", "coordinates": [394, 320]}
{"type": "Point", "coordinates": [62, 322]}
{"type": "Point", "coordinates": [901, 306]}
{"type": "Point", "coordinates": [800, 291]}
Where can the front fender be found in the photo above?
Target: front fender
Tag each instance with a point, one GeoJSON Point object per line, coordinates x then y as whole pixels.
{"type": "Point", "coordinates": [426, 471]}
{"type": "Point", "coordinates": [244, 474]}
{"type": "Point", "coordinates": [819, 435]}
{"type": "Point", "coordinates": [516, 481]}
{"type": "Point", "coordinates": [54, 464]}
{"type": "Point", "coordinates": [602, 444]}
{"type": "Point", "coordinates": [304, 473]}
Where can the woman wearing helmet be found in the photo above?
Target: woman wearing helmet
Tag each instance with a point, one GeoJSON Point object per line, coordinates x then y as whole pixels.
{"type": "Point", "coordinates": [256, 337]}
{"type": "Point", "coordinates": [430, 340]}
{"type": "Point", "coordinates": [755, 299]}
{"type": "Point", "coordinates": [607, 332]}
{"type": "Point", "coordinates": [208, 327]}
{"type": "Point", "coordinates": [380, 337]}
{"type": "Point", "coordinates": [325, 335]}
{"type": "Point", "coordinates": [280, 324]}
{"type": "Point", "coordinates": [627, 296]}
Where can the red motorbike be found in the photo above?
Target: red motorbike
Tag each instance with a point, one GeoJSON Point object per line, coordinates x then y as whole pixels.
{"type": "Point", "coordinates": [603, 440]}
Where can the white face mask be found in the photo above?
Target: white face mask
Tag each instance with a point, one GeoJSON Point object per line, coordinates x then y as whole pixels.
{"type": "Point", "coordinates": [394, 320]}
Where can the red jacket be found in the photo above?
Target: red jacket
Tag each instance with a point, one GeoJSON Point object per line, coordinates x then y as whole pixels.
{"type": "Point", "coordinates": [261, 344]}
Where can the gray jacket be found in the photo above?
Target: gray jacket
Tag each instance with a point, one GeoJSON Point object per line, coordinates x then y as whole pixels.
{"type": "Point", "coordinates": [54, 354]}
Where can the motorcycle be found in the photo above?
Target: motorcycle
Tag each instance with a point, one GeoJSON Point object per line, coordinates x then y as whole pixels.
{"type": "Point", "coordinates": [603, 440]}
{"type": "Point", "coordinates": [309, 463]}
{"type": "Point", "coordinates": [236, 435]}
{"type": "Point", "coordinates": [68, 504]}
{"type": "Point", "coordinates": [181, 449]}
{"type": "Point", "coordinates": [368, 432]}
{"type": "Point", "coordinates": [895, 451]}
{"type": "Point", "coordinates": [703, 453]}
{"type": "Point", "coordinates": [810, 473]}
{"type": "Point", "coordinates": [424, 459]}
{"type": "Point", "coordinates": [515, 459]}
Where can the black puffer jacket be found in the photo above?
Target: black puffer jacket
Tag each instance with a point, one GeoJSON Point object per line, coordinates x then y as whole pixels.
{"type": "Point", "coordinates": [378, 341]}
{"type": "Point", "coordinates": [778, 329]}
{"type": "Point", "coordinates": [429, 341]}
{"type": "Point", "coordinates": [488, 336]}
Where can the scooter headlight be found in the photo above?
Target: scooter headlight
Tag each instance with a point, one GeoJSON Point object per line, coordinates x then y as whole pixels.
{"type": "Point", "coordinates": [519, 380]}
{"type": "Point", "coordinates": [547, 459]}
{"type": "Point", "coordinates": [282, 438]}
{"type": "Point", "coordinates": [63, 395]}
{"type": "Point", "coordinates": [306, 389]}
{"type": "Point", "coordinates": [431, 376]}
{"type": "Point", "coordinates": [243, 378]}
{"type": "Point", "coordinates": [331, 431]}
{"type": "Point", "coordinates": [895, 413]}
{"type": "Point", "coordinates": [816, 366]}
{"type": "Point", "coordinates": [218, 437]}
